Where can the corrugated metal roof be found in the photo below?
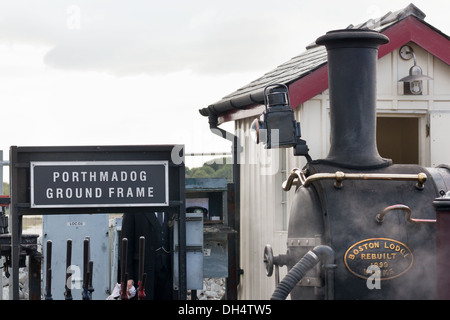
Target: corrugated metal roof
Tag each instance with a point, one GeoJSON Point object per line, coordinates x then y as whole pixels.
{"type": "Point", "coordinates": [299, 66]}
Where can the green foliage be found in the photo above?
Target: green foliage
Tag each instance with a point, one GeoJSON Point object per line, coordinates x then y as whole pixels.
{"type": "Point", "coordinates": [217, 168]}
{"type": "Point", "coordinates": [5, 188]}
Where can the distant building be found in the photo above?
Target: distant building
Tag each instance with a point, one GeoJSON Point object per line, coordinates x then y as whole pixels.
{"type": "Point", "coordinates": [411, 128]}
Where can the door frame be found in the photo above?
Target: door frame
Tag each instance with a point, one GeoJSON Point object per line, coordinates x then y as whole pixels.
{"type": "Point", "coordinates": [423, 131]}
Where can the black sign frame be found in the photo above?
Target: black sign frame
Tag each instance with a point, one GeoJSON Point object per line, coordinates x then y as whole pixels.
{"type": "Point", "coordinates": [21, 159]}
{"type": "Point", "coordinates": [86, 184]}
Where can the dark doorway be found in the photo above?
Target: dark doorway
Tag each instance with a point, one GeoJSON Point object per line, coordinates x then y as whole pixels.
{"type": "Point", "coordinates": [398, 139]}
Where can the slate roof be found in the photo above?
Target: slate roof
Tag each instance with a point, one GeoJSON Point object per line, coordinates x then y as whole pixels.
{"type": "Point", "coordinates": [303, 64]}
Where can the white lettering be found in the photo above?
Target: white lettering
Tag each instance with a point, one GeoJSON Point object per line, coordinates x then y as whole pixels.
{"type": "Point", "coordinates": [77, 187]}
{"type": "Point", "coordinates": [373, 282]}
{"type": "Point", "coordinates": [103, 175]}
{"type": "Point", "coordinates": [73, 21]}
{"type": "Point", "coordinates": [140, 192]}
{"type": "Point", "coordinates": [75, 277]}
{"type": "Point", "coordinates": [79, 193]}
{"type": "Point", "coordinates": [130, 193]}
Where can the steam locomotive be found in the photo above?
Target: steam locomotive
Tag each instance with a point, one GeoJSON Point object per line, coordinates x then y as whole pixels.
{"type": "Point", "coordinates": [360, 227]}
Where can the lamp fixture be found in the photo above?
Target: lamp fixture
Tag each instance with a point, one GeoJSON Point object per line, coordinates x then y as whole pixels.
{"type": "Point", "coordinates": [276, 127]}
{"type": "Point", "coordinates": [414, 81]}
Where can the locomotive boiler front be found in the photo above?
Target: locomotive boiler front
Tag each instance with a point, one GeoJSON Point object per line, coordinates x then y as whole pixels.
{"type": "Point", "coordinates": [375, 219]}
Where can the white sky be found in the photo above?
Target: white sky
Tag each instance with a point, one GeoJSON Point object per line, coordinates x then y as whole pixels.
{"type": "Point", "coordinates": [116, 72]}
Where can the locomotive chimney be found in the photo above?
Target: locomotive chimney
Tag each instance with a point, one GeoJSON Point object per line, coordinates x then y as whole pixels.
{"type": "Point", "coordinates": [352, 64]}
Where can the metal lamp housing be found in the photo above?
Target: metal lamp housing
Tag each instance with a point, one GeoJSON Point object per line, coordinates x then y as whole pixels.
{"type": "Point", "coordinates": [276, 127]}
{"type": "Point", "coordinates": [416, 76]}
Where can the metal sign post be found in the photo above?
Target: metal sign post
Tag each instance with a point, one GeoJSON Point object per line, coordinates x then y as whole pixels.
{"type": "Point", "coordinates": [96, 179]}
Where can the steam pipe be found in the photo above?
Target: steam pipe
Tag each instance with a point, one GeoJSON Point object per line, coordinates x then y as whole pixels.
{"type": "Point", "coordinates": [306, 263]}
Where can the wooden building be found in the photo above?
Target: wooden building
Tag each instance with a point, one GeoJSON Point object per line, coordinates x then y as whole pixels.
{"type": "Point", "coordinates": [411, 128]}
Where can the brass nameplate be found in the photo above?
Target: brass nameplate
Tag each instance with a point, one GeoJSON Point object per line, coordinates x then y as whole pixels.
{"type": "Point", "coordinates": [391, 256]}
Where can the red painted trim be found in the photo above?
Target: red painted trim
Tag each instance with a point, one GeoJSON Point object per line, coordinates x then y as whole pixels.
{"type": "Point", "coordinates": [407, 30]}
{"type": "Point", "coordinates": [412, 29]}
{"type": "Point", "coordinates": [309, 86]}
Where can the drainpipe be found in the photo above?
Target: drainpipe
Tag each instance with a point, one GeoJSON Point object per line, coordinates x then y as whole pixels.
{"type": "Point", "coordinates": [234, 222]}
{"type": "Point", "coordinates": [213, 125]}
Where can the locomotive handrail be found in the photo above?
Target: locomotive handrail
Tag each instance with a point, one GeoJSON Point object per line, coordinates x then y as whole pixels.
{"type": "Point", "coordinates": [298, 178]}
{"type": "Point", "coordinates": [381, 215]}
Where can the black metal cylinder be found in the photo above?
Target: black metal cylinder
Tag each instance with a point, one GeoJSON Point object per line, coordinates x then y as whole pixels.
{"type": "Point", "coordinates": [442, 207]}
{"type": "Point", "coordinates": [352, 64]}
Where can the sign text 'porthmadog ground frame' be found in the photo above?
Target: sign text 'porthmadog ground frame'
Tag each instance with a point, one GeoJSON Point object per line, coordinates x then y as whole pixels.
{"type": "Point", "coordinates": [72, 184]}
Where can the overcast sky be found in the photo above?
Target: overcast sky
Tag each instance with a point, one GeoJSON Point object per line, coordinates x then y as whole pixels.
{"type": "Point", "coordinates": [116, 72]}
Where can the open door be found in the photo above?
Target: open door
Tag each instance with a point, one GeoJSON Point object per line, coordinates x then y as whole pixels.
{"type": "Point", "coordinates": [398, 139]}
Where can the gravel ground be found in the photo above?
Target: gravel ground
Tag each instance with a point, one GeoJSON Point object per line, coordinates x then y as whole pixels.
{"type": "Point", "coordinates": [23, 285]}
{"type": "Point", "coordinates": [213, 289]}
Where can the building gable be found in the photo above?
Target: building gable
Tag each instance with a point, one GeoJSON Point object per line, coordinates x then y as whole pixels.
{"type": "Point", "coordinates": [307, 74]}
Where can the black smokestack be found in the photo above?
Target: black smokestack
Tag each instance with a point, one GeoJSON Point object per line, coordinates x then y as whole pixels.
{"type": "Point", "coordinates": [352, 64]}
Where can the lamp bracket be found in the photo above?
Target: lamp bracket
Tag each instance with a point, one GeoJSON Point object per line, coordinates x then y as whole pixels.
{"type": "Point", "coordinates": [406, 52]}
